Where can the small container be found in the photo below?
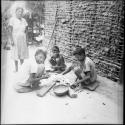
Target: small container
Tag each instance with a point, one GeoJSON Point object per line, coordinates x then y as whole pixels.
{"type": "Point", "coordinates": [61, 90]}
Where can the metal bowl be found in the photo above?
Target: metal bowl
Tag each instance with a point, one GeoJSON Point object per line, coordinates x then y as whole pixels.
{"type": "Point", "coordinates": [61, 90]}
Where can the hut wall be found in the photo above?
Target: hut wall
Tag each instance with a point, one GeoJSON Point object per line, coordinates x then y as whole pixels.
{"type": "Point", "coordinates": [96, 25]}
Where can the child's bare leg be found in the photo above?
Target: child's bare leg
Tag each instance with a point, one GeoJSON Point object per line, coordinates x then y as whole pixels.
{"type": "Point", "coordinates": [86, 83]}
{"type": "Point", "coordinates": [22, 89]}
{"type": "Point", "coordinates": [16, 65]}
{"type": "Point", "coordinates": [90, 85]}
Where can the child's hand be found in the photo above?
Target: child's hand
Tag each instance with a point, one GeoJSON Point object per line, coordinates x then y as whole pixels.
{"type": "Point", "coordinates": [46, 76]}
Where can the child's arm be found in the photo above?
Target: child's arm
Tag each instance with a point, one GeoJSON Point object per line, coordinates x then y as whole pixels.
{"type": "Point", "coordinates": [67, 70]}
{"type": "Point", "coordinates": [33, 78]}
{"type": "Point", "coordinates": [71, 67]}
{"type": "Point", "coordinates": [58, 66]}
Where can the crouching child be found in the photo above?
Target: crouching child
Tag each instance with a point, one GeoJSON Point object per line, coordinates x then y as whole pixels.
{"type": "Point", "coordinates": [31, 73]}
{"type": "Point", "coordinates": [84, 70]}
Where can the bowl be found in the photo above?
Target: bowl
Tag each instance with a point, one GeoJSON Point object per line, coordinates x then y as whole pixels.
{"type": "Point", "coordinates": [61, 90]}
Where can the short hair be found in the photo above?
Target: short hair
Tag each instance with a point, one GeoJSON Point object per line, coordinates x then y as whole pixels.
{"type": "Point", "coordinates": [40, 51]}
{"type": "Point", "coordinates": [77, 46]}
{"type": "Point", "coordinates": [55, 48]}
{"type": "Point", "coordinates": [79, 51]}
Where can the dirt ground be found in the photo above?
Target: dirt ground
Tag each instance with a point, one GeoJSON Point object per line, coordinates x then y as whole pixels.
{"type": "Point", "coordinates": [105, 105]}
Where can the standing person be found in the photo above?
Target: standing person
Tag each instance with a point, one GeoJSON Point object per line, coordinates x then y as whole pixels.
{"type": "Point", "coordinates": [84, 70]}
{"type": "Point", "coordinates": [18, 26]}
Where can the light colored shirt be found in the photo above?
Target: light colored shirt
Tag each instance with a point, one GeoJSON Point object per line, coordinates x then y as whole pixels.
{"type": "Point", "coordinates": [18, 25]}
{"type": "Point", "coordinates": [30, 66]}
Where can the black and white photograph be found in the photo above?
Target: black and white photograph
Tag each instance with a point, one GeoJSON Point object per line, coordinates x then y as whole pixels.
{"type": "Point", "coordinates": [62, 61]}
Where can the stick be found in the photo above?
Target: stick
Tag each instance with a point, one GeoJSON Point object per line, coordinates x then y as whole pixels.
{"type": "Point", "coordinates": [41, 95]}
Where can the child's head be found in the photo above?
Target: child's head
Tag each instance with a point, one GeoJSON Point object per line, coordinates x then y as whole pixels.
{"type": "Point", "coordinates": [40, 56]}
{"type": "Point", "coordinates": [79, 53]}
{"type": "Point", "coordinates": [55, 51]}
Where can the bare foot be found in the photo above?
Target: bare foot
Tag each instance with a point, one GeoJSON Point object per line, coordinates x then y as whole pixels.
{"type": "Point", "coordinates": [73, 96]}
{"type": "Point", "coordinates": [24, 90]}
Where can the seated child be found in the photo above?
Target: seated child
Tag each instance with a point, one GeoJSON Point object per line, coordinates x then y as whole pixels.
{"type": "Point", "coordinates": [57, 61]}
{"type": "Point", "coordinates": [31, 73]}
{"type": "Point", "coordinates": [84, 70]}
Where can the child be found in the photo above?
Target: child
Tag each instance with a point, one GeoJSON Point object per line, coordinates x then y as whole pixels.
{"type": "Point", "coordinates": [84, 70]}
{"type": "Point", "coordinates": [39, 38]}
{"type": "Point", "coordinates": [57, 61]}
{"type": "Point", "coordinates": [32, 72]}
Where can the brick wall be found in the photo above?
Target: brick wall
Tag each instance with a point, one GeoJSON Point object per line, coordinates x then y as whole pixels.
{"type": "Point", "coordinates": [50, 15]}
{"type": "Point", "coordinates": [96, 25]}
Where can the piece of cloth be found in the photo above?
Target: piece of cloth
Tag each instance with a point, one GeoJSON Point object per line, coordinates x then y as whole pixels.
{"type": "Point", "coordinates": [20, 48]}
{"type": "Point", "coordinates": [87, 66]}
